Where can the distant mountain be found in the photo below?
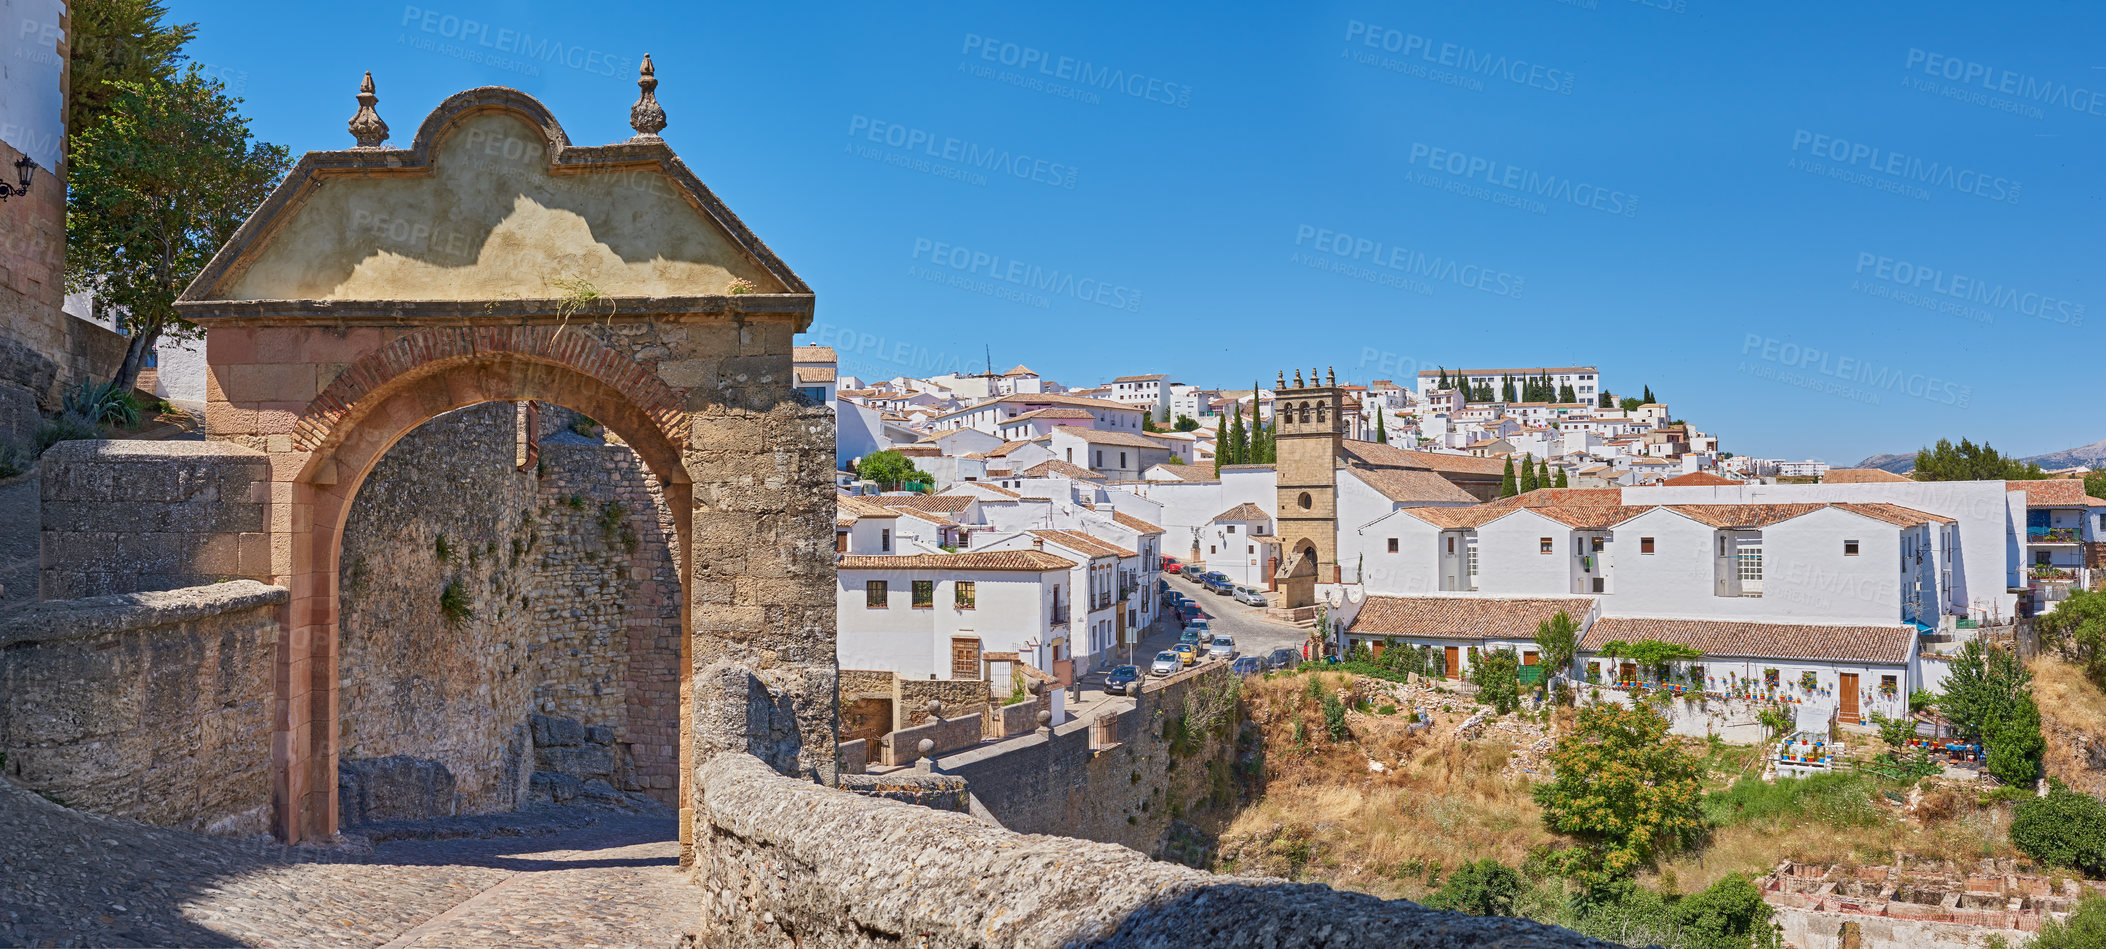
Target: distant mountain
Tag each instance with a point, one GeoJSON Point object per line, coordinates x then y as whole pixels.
{"type": "Point", "coordinates": [2090, 456]}
{"type": "Point", "coordinates": [1898, 464]}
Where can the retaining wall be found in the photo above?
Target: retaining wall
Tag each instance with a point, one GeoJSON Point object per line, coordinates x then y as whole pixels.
{"type": "Point", "coordinates": [153, 706]}
{"type": "Point", "coordinates": [126, 516]}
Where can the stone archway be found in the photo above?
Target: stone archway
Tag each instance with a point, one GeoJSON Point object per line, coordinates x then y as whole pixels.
{"type": "Point", "coordinates": [492, 260]}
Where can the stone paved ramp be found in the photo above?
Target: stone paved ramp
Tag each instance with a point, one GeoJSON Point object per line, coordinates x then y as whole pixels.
{"type": "Point", "coordinates": [71, 879]}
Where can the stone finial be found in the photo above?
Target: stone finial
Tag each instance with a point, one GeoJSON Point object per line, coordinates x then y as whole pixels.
{"type": "Point", "coordinates": [366, 126]}
{"type": "Point", "coordinates": [1282, 383]}
{"type": "Point", "coordinates": [1298, 378]}
{"type": "Point", "coordinates": [935, 709]}
{"type": "Point", "coordinates": [1330, 376]}
{"type": "Point", "coordinates": [645, 116]}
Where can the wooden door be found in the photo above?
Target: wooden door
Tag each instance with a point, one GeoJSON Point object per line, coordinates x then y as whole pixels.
{"type": "Point", "coordinates": [1454, 662]}
{"type": "Point", "coordinates": [1848, 688]}
{"type": "Point", "coordinates": [965, 658]}
{"type": "Point", "coordinates": [1528, 658]}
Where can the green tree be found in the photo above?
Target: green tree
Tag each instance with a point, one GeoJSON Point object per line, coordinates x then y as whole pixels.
{"type": "Point", "coordinates": [1497, 675]}
{"type": "Point", "coordinates": [1186, 423]}
{"type": "Point", "coordinates": [2064, 829]}
{"type": "Point", "coordinates": [1989, 698]}
{"type": "Point", "coordinates": [1622, 790]}
{"type": "Point", "coordinates": [1506, 388]}
{"type": "Point", "coordinates": [1647, 398]}
{"type": "Point", "coordinates": [114, 42]}
{"type": "Point", "coordinates": [1630, 404]}
{"type": "Point", "coordinates": [156, 186]}
{"type": "Point", "coordinates": [1650, 655]}
{"type": "Point", "coordinates": [1543, 473]}
{"type": "Point", "coordinates": [2077, 628]}
{"type": "Point", "coordinates": [1381, 427]}
{"type": "Point", "coordinates": [1528, 474]}
{"type": "Point", "coordinates": [1557, 638]}
{"type": "Point", "coordinates": [890, 469]}
{"type": "Point", "coordinates": [1729, 914]}
{"type": "Point", "coordinates": [1484, 888]}
{"type": "Point", "coordinates": [1507, 486]}
{"type": "Point", "coordinates": [2084, 928]}
{"type": "Point", "coordinates": [1148, 424]}
{"type": "Point", "coordinates": [1970, 462]}
{"type": "Point", "coordinates": [1238, 438]}
{"type": "Point", "coordinates": [1607, 401]}
{"type": "Point", "coordinates": [2095, 484]}
{"type": "Point", "coordinates": [1561, 479]}
{"type": "Point", "coordinates": [1565, 393]}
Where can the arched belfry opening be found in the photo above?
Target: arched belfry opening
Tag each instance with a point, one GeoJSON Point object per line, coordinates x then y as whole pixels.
{"type": "Point", "coordinates": [490, 266]}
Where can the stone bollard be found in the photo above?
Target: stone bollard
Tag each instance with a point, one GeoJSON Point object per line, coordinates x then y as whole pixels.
{"type": "Point", "coordinates": [925, 759]}
{"type": "Point", "coordinates": [1045, 722]}
{"type": "Point", "coordinates": [935, 709]}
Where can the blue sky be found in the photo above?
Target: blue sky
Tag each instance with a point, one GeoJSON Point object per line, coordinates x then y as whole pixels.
{"type": "Point", "coordinates": [1818, 230]}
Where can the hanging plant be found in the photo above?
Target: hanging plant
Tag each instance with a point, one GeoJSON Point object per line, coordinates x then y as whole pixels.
{"type": "Point", "coordinates": [1808, 680]}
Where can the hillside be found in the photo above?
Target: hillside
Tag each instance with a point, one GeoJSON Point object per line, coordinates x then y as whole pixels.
{"type": "Point", "coordinates": [2089, 456]}
{"type": "Point", "coordinates": [2073, 717]}
{"type": "Point", "coordinates": [1898, 464]}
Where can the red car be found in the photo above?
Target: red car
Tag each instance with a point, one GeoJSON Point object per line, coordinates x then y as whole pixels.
{"type": "Point", "coordinates": [1170, 565]}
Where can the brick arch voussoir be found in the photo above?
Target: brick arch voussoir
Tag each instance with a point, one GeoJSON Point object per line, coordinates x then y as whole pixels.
{"type": "Point", "coordinates": [427, 352]}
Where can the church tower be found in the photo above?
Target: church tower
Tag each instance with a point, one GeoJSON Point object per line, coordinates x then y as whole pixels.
{"type": "Point", "coordinates": [1310, 431]}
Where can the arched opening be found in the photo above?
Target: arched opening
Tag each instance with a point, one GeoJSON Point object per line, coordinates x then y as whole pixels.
{"type": "Point", "coordinates": [310, 734]}
{"type": "Point", "coordinates": [1304, 501]}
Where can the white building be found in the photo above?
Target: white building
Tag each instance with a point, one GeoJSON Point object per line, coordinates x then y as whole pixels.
{"type": "Point", "coordinates": [987, 416]}
{"type": "Point", "coordinates": [1118, 455]}
{"type": "Point", "coordinates": [1149, 393]}
{"type": "Point", "coordinates": [933, 616]}
{"type": "Point", "coordinates": [1241, 545]}
{"type": "Point", "coordinates": [1584, 380]}
{"type": "Point", "coordinates": [1096, 568]}
{"type": "Point", "coordinates": [814, 370]}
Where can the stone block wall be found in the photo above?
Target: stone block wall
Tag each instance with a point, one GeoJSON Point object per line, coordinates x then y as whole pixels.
{"type": "Point", "coordinates": [959, 697]}
{"type": "Point", "coordinates": [902, 746]}
{"type": "Point", "coordinates": [568, 609]}
{"type": "Point", "coordinates": [153, 706]}
{"type": "Point", "coordinates": [1072, 783]}
{"type": "Point", "coordinates": [42, 349]}
{"type": "Point", "coordinates": [128, 516]}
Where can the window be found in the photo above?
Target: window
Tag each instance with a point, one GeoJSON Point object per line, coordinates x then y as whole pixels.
{"type": "Point", "coordinates": [1597, 545]}
{"type": "Point", "coordinates": [1304, 501]}
{"type": "Point", "coordinates": [1888, 687]}
{"type": "Point", "coordinates": [1231, 528]}
{"type": "Point", "coordinates": [1544, 545]}
{"type": "Point", "coordinates": [885, 540]}
{"type": "Point", "coordinates": [1122, 459]}
{"type": "Point", "coordinates": [1451, 544]}
{"type": "Point", "coordinates": [1393, 544]}
{"type": "Point", "coordinates": [1100, 457]}
{"type": "Point", "coordinates": [1600, 585]}
{"type": "Point", "coordinates": [1250, 548]}
{"type": "Point", "coordinates": [1645, 545]}
{"type": "Point", "coordinates": [1849, 548]}
{"type": "Point", "coordinates": [874, 594]}
{"type": "Point", "coordinates": [1473, 556]}
{"type": "Point", "coordinates": [924, 594]}
{"type": "Point", "coordinates": [965, 594]}
{"type": "Point", "coordinates": [1210, 549]}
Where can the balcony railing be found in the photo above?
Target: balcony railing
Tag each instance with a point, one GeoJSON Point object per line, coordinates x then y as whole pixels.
{"type": "Point", "coordinates": [2051, 535]}
{"type": "Point", "coordinates": [1060, 616]}
{"type": "Point", "coordinates": [2045, 574]}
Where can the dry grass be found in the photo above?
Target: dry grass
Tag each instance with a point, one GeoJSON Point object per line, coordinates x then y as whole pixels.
{"type": "Point", "coordinates": [1324, 815]}
{"type": "Point", "coordinates": [1954, 827]}
{"type": "Point", "coordinates": [2070, 707]}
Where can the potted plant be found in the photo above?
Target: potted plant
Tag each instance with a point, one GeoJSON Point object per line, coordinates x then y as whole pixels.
{"type": "Point", "coordinates": [1809, 681]}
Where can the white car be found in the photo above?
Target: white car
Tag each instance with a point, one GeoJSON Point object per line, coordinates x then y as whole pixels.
{"type": "Point", "coordinates": [1166, 663]}
{"type": "Point", "coordinates": [1222, 648]}
{"type": "Point", "coordinates": [1251, 596]}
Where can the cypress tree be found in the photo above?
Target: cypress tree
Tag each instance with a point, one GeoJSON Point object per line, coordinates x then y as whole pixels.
{"type": "Point", "coordinates": [1507, 487]}
{"type": "Point", "coordinates": [1561, 479]}
{"type": "Point", "coordinates": [1381, 427]}
{"type": "Point", "coordinates": [1506, 388]}
{"type": "Point", "coordinates": [1444, 377]}
{"type": "Point", "coordinates": [1238, 445]}
{"type": "Point", "coordinates": [1647, 397]}
{"type": "Point", "coordinates": [1565, 393]}
{"type": "Point", "coordinates": [1607, 401]}
{"type": "Point", "coordinates": [1543, 473]}
{"type": "Point", "coordinates": [1528, 474]}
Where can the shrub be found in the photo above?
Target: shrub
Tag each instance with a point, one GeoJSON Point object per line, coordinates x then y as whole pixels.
{"type": "Point", "coordinates": [1922, 700]}
{"type": "Point", "coordinates": [1729, 914]}
{"type": "Point", "coordinates": [103, 403]}
{"type": "Point", "coordinates": [1497, 676]}
{"type": "Point", "coordinates": [454, 604]}
{"type": "Point", "coordinates": [1623, 790]}
{"type": "Point", "coordinates": [63, 427]}
{"type": "Point", "coordinates": [1334, 719]}
{"type": "Point", "coordinates": [2064, 829]}
{"type": "Point", "coordinates": [14, 459]}
{"type": "Point", "coordinates": [1484, 888]}
{"type": "Point", "coordinates": [2085, 927]}
{"type": "Point", "coordinates": [1896, 732]}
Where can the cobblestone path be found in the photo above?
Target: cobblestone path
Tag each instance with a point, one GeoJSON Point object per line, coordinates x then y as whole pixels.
{"type": "Point", "coordinates": [569, 879]}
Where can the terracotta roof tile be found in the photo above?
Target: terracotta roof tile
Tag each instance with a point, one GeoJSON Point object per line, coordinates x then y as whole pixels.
{"type": "Point", "coordinates": [1243, 512]}
{"type": "Point", "coordinates": [2054, 492]}
{"type": "Point", "coordinates": [1880, 644]}
{"type": "Point", "coordinates": [1185, 472]}
{"type": "Point", "coordinates": [1081, 542]}
{"type": "Point", "coordinates": [1134, 523]}
{"type": "Point", "coordinates": [1464, 617]}
{"type": "Point", "coordinates": [852, 507]}
{"type": "Point", "coordinates": [1056, 468]}
{"type": "Point", "coordinates": [1894, 513]}
{"type": "Point", "coordinates": [1699, 478]}
{"type": "Point", "coordinates": [1034, 561]}
{"type": "Point", "coordinates": [1411, 487]}
{"type": "Point", "coordinates": [812, 354]}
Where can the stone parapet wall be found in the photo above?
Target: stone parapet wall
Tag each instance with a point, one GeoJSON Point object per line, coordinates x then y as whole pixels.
{"type": "Point", "coordinates": [902, 746]}
{"type": "Point", "coordinates": [153, 706]}
{"type": "Point", "coordinates": [773, 870]}
{"type": "Point", "coordinates": [127, 516]}
{"type": "Point", "coordinates": [944, 792]}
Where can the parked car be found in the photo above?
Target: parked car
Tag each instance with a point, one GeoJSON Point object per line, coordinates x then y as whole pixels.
{"type": "Point", "coordinates": [1247, 666]}
{"type": "Point", "coordinates": [1251, 596]}
{"type": "Point", "coordinates": [1187, 653]}
{"type": "Point", "coordinates": [1285, 657]}
{"type": "Point", "coordinates": [1202, 628]}
{"type": "Point", "coordinates": [1170, 565]}
{"type": "Point", "coordinates": [1122, 680]}
{"type": "Point", "coordinates": [1189, 611]}
{"type": "Point", "coordinates": [1221, 647]}
{"type": "Point", "coordinates": [1189, 636]}
{"type": "Point", "coordinates": [1166, 662]}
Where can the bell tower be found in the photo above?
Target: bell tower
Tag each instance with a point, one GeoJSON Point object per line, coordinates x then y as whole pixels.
{"type": "Point", "coordinates": [1309, 434]}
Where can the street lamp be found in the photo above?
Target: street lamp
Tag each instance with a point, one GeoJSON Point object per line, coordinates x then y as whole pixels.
{"type": "Point", "coordinates": [24, 167]}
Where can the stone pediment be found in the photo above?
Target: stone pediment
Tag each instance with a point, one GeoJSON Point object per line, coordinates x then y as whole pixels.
{"type": "Point", "coordinates": [490, 202]}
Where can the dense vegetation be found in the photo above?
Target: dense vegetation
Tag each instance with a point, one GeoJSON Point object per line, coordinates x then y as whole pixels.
{"type": "Point", "coordinates": [1970, 462]}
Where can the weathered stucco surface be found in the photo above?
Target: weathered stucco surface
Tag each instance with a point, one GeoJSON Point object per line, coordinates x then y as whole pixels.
{"type": "Point", "coordinates": [490, 221]}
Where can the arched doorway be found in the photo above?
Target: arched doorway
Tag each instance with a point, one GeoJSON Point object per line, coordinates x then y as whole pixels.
{"type": "Point", "coordinates": [604, 278]}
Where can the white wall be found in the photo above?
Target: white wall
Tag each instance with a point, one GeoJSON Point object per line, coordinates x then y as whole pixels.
{"type": "Point", "coordinates": [1986, 512]}
{"type": "Point", "coordinates": [1012, 609]}
{"type": "Point", "coordinates": [1510, 560]}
